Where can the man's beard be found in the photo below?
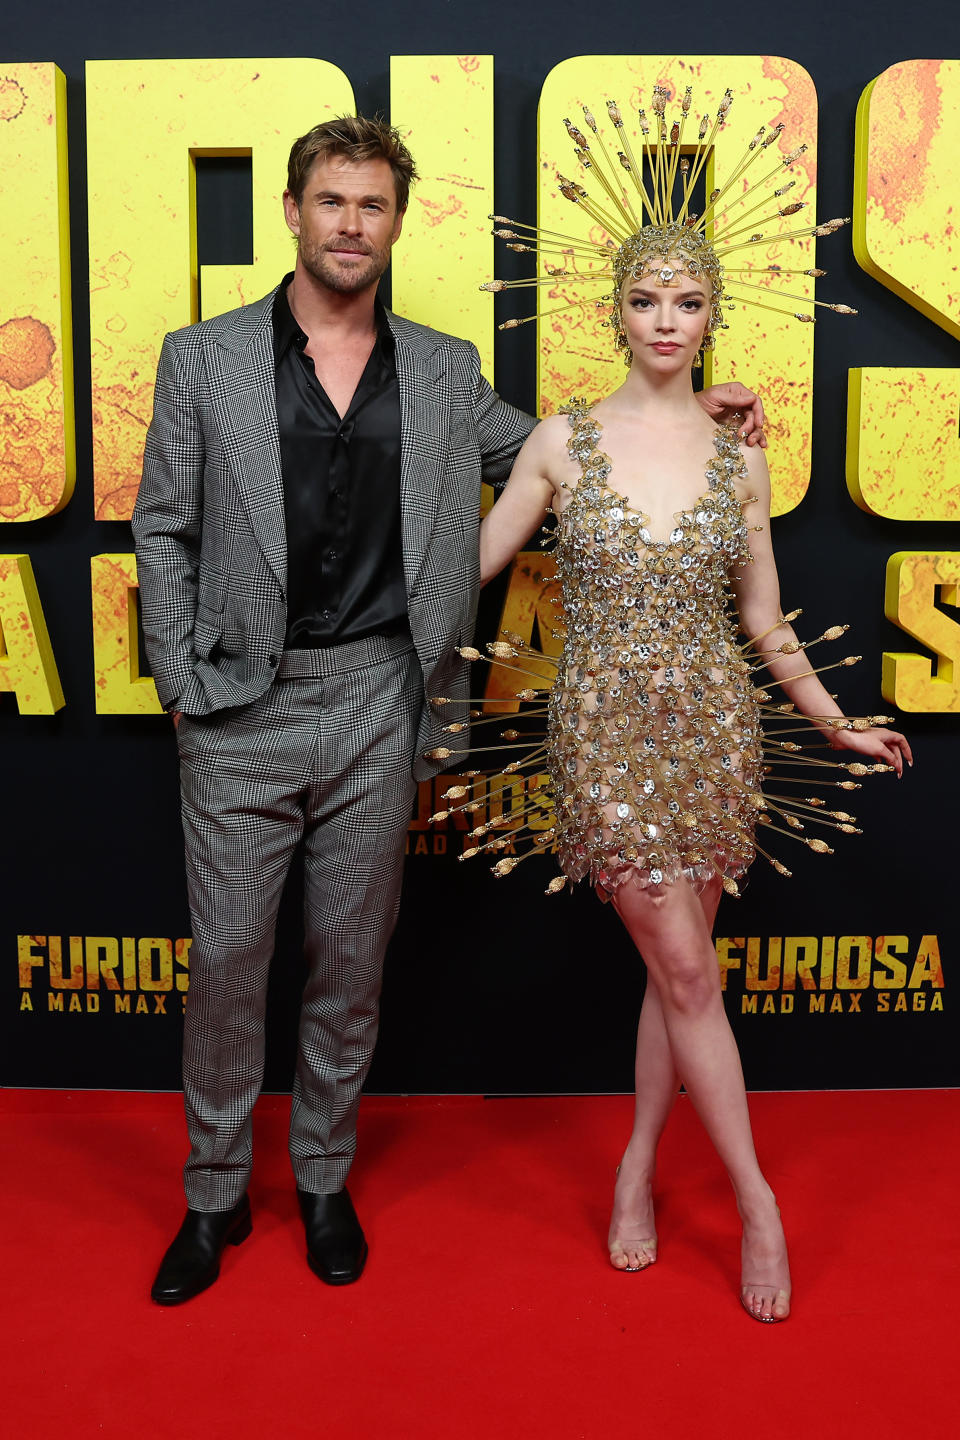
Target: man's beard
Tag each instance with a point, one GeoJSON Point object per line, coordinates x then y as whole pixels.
{"type": "Point", "coordinates": [345, 280]}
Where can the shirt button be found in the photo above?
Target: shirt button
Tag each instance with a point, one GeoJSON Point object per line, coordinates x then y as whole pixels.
{"type": "Point", "coordinates": [272, 660]}
{"type": "Point", "coordinates": [331, 554]}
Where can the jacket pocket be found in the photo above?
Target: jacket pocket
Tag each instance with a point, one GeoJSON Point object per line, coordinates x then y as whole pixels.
{"type": "Point", "coordinates": [206, 630]}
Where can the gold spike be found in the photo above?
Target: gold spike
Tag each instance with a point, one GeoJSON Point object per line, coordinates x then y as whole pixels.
{"type": "Point", "coordinates": [609, 184]}
{"type": "Point", "coordinates": [703, 154]}
{"type": "Point", "coordinates": [787, 619]}
{"type": "Point", "coordinates": [570, 190]}
{"type": "Point", "coordinates": [558, 310]}
{"type": "Point", "coordinates": [739, 170]}
{"type": "Point", "coordinates": [556, 885]}
{"type": "Point", "coordinates": [778, 239]}
{"type": "Point", "coordinates": [783, 214]}
{"type": "Point", "coordinates": [786, 295]}
{"type": "Point", "coordinates": [536, 232]}
{"type": "Point", "coordinates": [576, 135]}
{"type": "Point", "coordinates": [777, 309]}
{"type": "Point", "coordinates": [676, 136]}
{"type": "Point", "coordinates": [635, 171]}
{"type": "Point", "coordinates": [772, 269]}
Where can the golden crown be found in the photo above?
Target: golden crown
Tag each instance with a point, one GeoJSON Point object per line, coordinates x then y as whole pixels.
{"type": "Point", "coordinates": [643, 209]}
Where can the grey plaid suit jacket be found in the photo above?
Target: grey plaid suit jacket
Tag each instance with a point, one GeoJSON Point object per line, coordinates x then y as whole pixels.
{"type": "Point", "coordinates": [209, 520]}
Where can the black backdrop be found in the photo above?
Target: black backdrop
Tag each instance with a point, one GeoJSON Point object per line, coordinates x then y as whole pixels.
{"type": "Point", "coordinates": [489, 987]}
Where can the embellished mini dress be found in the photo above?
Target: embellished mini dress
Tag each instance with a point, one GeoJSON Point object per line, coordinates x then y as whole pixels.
{"type": "Point", "coordinates": [654, 744]}
{"type": "Point", "coordinates": [659, 731]}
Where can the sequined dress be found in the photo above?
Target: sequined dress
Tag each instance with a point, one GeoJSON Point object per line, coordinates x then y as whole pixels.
{"type": "Point", "coordinates": [653, 735]}
{"type": "Point", "coordinates": [658, 730]}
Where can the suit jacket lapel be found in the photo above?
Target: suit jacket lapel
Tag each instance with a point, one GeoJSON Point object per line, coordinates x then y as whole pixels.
{"type": "Point", "coordinates": [424, 411]}
{"type": "Point", "coordinates": [244, 399]}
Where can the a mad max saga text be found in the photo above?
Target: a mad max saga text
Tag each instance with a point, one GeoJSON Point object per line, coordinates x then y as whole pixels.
{"type": "Point", "coordinates": [502, 802]}
{"type": "Point", "coordinates": [92, 974]}
{"type": "Point", "coordinates": [832, 974]}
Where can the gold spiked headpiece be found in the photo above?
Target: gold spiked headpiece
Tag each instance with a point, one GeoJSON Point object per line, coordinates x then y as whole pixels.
{"type": "Point", "coordinates": [644, 209]}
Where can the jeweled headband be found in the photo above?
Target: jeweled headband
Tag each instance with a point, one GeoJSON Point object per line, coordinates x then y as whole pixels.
{"type": "Point", "coordinates": [674, 240]}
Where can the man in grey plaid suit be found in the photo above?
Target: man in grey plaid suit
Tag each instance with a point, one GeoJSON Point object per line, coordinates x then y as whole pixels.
{"type": "Point", "coordinates": [306, 534]}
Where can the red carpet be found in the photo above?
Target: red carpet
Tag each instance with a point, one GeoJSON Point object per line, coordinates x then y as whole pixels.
{"type": "Point", "coordinates": [488, 1308]}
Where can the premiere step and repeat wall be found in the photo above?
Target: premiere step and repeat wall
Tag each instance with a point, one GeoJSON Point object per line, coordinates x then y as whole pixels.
{"type": "Point", "coordinates": [142, 171]}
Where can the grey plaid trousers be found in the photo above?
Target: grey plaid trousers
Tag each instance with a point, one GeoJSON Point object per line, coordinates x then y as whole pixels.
{"type": "Point", "coordinates": [323, 759]}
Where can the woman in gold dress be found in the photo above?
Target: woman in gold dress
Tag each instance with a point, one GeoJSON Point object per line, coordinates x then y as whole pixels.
{"type": "Point", "coordinates": [655, 748]}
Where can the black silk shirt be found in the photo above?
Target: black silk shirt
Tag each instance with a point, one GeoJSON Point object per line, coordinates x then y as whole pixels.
{"type": "Point", "coordinates": [341, 493]}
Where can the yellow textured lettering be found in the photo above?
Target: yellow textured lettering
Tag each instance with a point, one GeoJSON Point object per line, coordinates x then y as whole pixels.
{"type": "Point", "coordinates": [27, 666]}
{"type": "Point", "coordinates": [148, 121]}
{"type": "Point", "coordinates": [36, 344]}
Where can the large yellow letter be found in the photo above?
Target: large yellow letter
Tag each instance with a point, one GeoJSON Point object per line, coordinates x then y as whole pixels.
{"type": "Point", "coordinates": [770, 352]}
{"type": "Point", "coordinates": [120, 688]}
{"type": "Point", "coordinates": [530, 611]}
{"type": "Point", "coordinates": [27, 666]}
{"type": "Point", "coordinates": [443, 106]}
{"type": "Point", "coordinates": [915, 580]}
{"type": "Point", "coordinates": [147, 122]}
{"type": "Point", "coordinates": [903, 455]}
{"type": "Point", "coordinates": [38, 455]}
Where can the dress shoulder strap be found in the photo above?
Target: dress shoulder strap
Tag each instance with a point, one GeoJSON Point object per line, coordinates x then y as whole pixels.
{"type": "Point", "coordinates": [584, 441]}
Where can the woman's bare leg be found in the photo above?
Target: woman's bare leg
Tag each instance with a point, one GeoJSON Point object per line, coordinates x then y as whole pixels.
{"type": "Point", "coordinates": [671, 932]}
{"type": "Point", "coordinates": [632, 1239]}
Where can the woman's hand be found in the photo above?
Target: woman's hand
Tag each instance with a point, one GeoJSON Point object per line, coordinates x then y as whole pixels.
{"type": "Point", "coordinates": [733, 401]}
{"type": "Point", "coordinates": [888, 747]}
